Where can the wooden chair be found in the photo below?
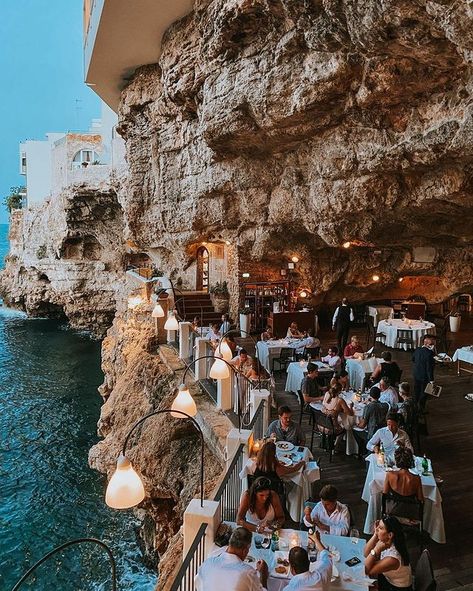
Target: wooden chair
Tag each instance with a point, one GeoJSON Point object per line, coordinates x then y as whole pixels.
{"type": "Point", "coordinates": [313, 352]}
{"type": "Point", "coordinates": [408, 509]}
{"type": "Point", "coordinates": [424, 579]}
{"type": "Point", "coordinates": [404, 337]}
{"type": "Point", "coordinates": [286, 356]}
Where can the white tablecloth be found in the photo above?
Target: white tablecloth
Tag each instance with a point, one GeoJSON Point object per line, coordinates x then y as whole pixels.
{"type": "Point", "coordinates": [372, 491]}
{"type": "Point", "coordinates": [298, 493]}
{"type": "Point", "coordinates": [268, 350]}
{"type": "Point", "coordinates": [348, 548]}
{"type": "Point", "coordinates": [464, 354]}
{"type": "Point", "coordinates": [418, 329]}
{"type": "Point", "coordinates": [357, 368]}
{"type": "Point", "coordinates": [380, 313]}
{"type": "Point", "coordinates": [296, 371]}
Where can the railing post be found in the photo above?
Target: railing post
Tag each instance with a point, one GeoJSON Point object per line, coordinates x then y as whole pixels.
{"type": "Point", "coordinates": [224, 392]}
{"type": "Point", "coordinates": [194, 517]}
{"type": "Point", "coordinates": [234, 439]}
{"type": "Point", "coordinates": [200, 366]}
{"type": "Point", "coordinates": [256, 396]}
{"type": "Point", "coordinates": [184, 340]}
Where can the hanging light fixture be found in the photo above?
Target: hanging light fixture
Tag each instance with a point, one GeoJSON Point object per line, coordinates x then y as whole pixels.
{"type": "Point", "coordinates": [375, 278]}
{"type": "Point", "coordinates": [303, 294]}
{"type": "Point", "coordinates": [295, 259]}
{"type": "Point", "coordinates": [125, 488]}
{"type": "Point", "coordinates": [219, 370]}
{"type": "Point", "coordinates": [183, 403]}
{"type": "Point", "coordinates": [158, 311]}
{"type": "Point", "coordinates": [223, 350]}
{"type": "Point", "coordinates": [346, 244]}
{"type": "Point", "coordinates": [401, 279]}
{"type": "Point", "coordinates": [171, 322]}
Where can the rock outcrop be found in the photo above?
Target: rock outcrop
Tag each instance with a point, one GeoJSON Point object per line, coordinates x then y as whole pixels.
{"type": "Point", "coordinates": [290, 127]}
{"type": "Point", "coordinates": [66, 258]}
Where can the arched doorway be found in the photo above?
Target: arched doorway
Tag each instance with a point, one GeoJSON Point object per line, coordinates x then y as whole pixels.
{"type": "Point", "coordinates": [202, 281]}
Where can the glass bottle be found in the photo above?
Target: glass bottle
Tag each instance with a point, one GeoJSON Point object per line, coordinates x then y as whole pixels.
{"type": "Point", "coordinates": [425, 465]}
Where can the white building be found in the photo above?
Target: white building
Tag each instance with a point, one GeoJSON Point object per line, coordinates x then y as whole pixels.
{"type": "Point", "coordinates": [63, 159]}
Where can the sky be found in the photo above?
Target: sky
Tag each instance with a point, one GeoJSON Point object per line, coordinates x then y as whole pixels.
{"type": "Point", "coordinates": [41, 88]}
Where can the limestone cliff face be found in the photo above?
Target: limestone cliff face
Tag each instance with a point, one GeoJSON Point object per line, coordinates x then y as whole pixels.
{"type": "Point", "coordinates": [140, 379]}
{"type": "Point", "coordinates": [66, 258]}
{"type": "Point", "coordinates": [292, 126]}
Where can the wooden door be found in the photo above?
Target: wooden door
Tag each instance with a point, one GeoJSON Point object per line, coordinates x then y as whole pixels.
{"type": "Point", "coordinates": [202, 281]}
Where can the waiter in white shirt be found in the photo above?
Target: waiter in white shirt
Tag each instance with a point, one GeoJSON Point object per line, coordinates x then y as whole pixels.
{"type": "Point", "coordinates": [341, 321]}
{"type": "Point", "coordinates": [303, 579]}
{"type": "Point", "coordinates": [226, 568]}
{"type": "Point", "coordinates": [390, 436]}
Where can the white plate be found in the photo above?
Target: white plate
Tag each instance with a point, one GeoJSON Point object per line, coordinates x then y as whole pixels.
{"type": "Point", "coordinates": [285, 446]}
{"type": "Point", "coordinates": [283, 556]}
{"type": "Point", "coordinates": [285, 461]}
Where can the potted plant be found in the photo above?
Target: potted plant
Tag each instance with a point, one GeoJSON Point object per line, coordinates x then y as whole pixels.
{"type": "Point", "coordinates": [245, 321]}
{"type": "Point", "coordinates": [220, 296]}
{"type": "Point", "coordinates": [454, 320]}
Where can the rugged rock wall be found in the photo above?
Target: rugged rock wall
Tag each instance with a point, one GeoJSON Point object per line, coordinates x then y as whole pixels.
{"type": "Point", "coordinates": [66, 258]}
{"type": "Point", "coordinates": [166, 451]}
{"type": "Point", "coordinates": [292, 126]}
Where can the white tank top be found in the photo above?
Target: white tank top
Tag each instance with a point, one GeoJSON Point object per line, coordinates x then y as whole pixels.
{"type": "Point", "coordinates": [400, 577]}
{"type": "Point", "coordinates": [255, 520]}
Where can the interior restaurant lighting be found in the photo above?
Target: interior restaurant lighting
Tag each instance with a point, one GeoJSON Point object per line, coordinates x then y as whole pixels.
{"type": "Point", "coordinates": [219, 369]}
{"type": "Point", "coordinates": [375, 278]}
{"type": "Point", "coordinates": [171, 322]}
{"type": "Point", "coordinates": [245, 275]}
{"type": "Point", "coordinates": [401, 279]}
{"type": "Point", "coordinates": [303, 293]}
{"type": "Point", "coordinates": [227, 242]}
{"type": "Point", "coordinates": [291, 265]}
{"type": "Point", "coordinates": [346, 244]}
{"type": "Point", "coordinates": [183, 403]}
{"type": "Point", "coordinates": [158, 311]}
{"type": "Point", "coordinates": [223, 350]}
{"type": "Point", "coordinates": [295, 259]}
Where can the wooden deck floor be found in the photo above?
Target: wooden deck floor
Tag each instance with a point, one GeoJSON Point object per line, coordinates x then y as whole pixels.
{"type": "Point", "coordinates": [449, 445]}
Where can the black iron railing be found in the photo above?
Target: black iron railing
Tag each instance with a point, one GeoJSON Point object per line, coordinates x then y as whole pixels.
{"type": "Point", "coordinates": [231, 487]}
{"type": "Point", "coordinates": [257, 422]}
{"type": "Point", "coordinates": [184, 580]}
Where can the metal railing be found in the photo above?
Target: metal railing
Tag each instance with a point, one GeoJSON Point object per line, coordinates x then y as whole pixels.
{"type": "Point", "coordinates": [184, 580]}
{"type": "Point", "coordinates": [257, 422]}
{"type": "Point", "coordinates": [231, 487]}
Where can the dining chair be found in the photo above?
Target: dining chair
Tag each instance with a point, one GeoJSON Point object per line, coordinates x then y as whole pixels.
{"type": "Point", "coordinates": [404, 337]}
{"type": "Point", "coordinates": [286, 356]}
{"type": "Point", "coordinates": [304, 408]}
{"type": "Point", "coordinates": [323, 425]}
{"type": "Point", "coordinates": [408, 509]}
{"type": "Point", "coordinates": [424, 579]}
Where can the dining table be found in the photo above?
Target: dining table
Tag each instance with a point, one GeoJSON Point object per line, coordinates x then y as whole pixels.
{"type": "Point", "coordinates": [358, 368]}
{"type": "Point", "coordinates": [372, 494]}
{"type": "Point", "coordinates": [379, 313]}
{"type": "Point", "coordinates": [341, 548]}
{"type": "Point", "coordinates": [298, 369]}
{"type": "Point", "coordinates": [418, 329]}
{"type": "Point", "coordinates": [268, 350]}
{"type": "Point", "coordinates": [298, 484]}
{"type": "Point", "coordinates": [464, 355]}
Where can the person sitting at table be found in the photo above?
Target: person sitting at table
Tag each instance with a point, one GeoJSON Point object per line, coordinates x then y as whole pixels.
{"type": "Point", "coordinates": [407, 409]}
{"type": "Point", "coordinates": [387, 558]}
{"type": "Point", "coordinates": [390, 436]}
{"type": "Point", "coordinates": [334, 406]}
{"type": "Point", "coordinates": [213, 334]}
{"type": "Point", "coordinates": [402, 481]}
{"type": "Point", "coordinates": [267, 335]}
{"type": "Point", "coordinates": [293, 332]}
{"type": "Point", "coordinates": [196, 324]}
{"type": "Point", "coordinates": [285, 428]}
{"type": "Point", "coordinates": [242, 362]}
{"type": "Point", "coordinates": [311, 344]}
{"type": "Point", "coordinates": [333, 359]}
{"type": "Point", "coordinates": [228, 564]}
{"type": "Point", "coordinates": [310, 387]}
{"type": "Point", "coordinates": [260, 507]}
{"type": "Point", "coordinates": [256, 371]}
{"type": "Point", "coordinates": [303, 579]}
{"type": "Point", "coordinates": [329, 515]}
{"type": "Point", "coordinates": [387, 368]}
{"type": "Point", "coordinates": [268, 465]}
{"type": "Point", "coordinates": [374, 417]}
{"type": "Point", "coordinates": [353, 350]}
{"type": "Point", "coordinates": [388, 393]}
{"type": "Point", "coordinates": [225, 326]}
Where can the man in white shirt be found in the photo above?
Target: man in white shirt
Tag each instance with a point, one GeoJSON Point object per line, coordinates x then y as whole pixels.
{"type": "Point", "coordinates": [227, 569]}
{"type": "Point", "coordinates": [329, 516]}
{"type": "Point", "coordinates": [388, 393]}
{"type": "Point", "coordinates": [303, 579]}
{"type": "Point", "coordinates": [390, 436]}
{"type": "Point", "coordinates": [332, 358]}
{"type": "Point", "coordinates": [341, 321]}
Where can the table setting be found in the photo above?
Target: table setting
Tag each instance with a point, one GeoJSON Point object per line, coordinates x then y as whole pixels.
{"type": "Point", "coordinates": [373, 488]}
{"type": "Point", "coordinates": [289, 454]}
{"type": "Point", "coordinates": [298, 369]}
{"type": "Point", "coordinates": [267, 350]}
{"type": "Point", "coordinates": [465, 355]}
{"type": "Point", "coordinates": [358, 368]}
{"type": "Point", "coordinates": [274, 549]}
{"type": "Point", "coordinates": [419, 329]}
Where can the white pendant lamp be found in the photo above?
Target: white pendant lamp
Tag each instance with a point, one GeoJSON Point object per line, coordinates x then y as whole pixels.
{"type": "Point", "coordinates": [224, 351]}
{"type": "Point", "coordinates": [125, 488]}
{"type": "Point", "coordinates": [219, 370]}
{"type": "Point", "coordinates": [171, 322]}
{"type": "Point", "coordinates": [158, 311]}
{"type": "Point", "coordinates": [183, 402]}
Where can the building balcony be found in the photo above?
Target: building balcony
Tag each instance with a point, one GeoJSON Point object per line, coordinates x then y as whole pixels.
{"type": "Point", "coordinates": [120, 36]}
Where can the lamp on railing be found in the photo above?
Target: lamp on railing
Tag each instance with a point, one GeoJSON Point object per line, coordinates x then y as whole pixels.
{"type": "Point", "coordinates": [125, 488]}
{"type": "Point", "coordinates": [158, 311]}
{"type": "Point", "coordinates": [63, 547]}
{"type": "Point", "coordinates": [171, 322]}
{"type": "Point", "coordinates": [223, 345]}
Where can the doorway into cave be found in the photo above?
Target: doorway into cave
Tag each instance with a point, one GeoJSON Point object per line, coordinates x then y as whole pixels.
{"type": "Point", "coordinates": [202, 279]}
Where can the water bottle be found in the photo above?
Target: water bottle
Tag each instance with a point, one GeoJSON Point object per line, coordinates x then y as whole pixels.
{"type": "Point", "coordinates": [425, 465]}
{"type": "Point", "coordinates": [275, 541]}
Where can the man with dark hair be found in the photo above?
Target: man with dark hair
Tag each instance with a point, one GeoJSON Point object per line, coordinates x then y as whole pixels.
{"type": "Point", "coordinates": [310, 387]}
{"type": "Point", "coordinates": [226, 568]}
{"type": "Point", "coordinates": [242, 362]}
{"type": "Point", "coordinates": [390, 436]}
{"type": "Point", "coordinates": [387, 368]}
{"type": "Point", "coordinates": [423, 359]}
{"type": "Point", "coordinates": [329, 515]}
{"type": "Point", "coordinates": [341, 321]}
{"type": "Point", "coordinates": [333, 359]}
{"type": "Point", "coordinates": [388, 393]}
{"type": "Point", "coordinates": [374, 417]}
{"type": "Point", "coordinates": [285, 429]}
{"type": "Point", "coordinates": [303, 579]}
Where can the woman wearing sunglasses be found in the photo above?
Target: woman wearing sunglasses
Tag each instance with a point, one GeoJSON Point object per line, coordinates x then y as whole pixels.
{"type": "Point", "coordinates": [260, 507]}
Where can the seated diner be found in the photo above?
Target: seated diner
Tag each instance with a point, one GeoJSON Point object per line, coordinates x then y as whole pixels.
{"type": "Point", "coordinates": [311, 390]}
{"type": "Point", "coordinates": [328, 515]}
{"type": "Point", "coordinates": [268, 465]}
{"type": "Point", "coordinates": [353, 350]}
{"type": "Point", "coordinates": [390, 436]}
{"type": "Point", "coordinates": [293, 332]}
{"type": "Point", "coordinates": [402, 481]}
{"type": "Point", "coordinates": [260, 507]}
{"type": "Point", "coordinates": [285, 429]}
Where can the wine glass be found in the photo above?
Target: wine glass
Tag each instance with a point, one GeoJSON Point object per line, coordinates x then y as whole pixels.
{"type": "Point", "coordinates": [354, 535]}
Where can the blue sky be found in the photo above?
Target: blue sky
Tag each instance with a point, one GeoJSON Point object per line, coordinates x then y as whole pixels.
{"type": "Point", "coordinates": [42, 78]}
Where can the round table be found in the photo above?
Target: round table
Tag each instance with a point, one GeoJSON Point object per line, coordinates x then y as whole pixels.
{"type": "Point", "coordinates": [417, 328]}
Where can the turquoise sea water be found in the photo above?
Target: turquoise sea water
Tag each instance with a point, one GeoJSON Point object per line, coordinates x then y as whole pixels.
{"type": "Point", "coordinates": [48, 494]}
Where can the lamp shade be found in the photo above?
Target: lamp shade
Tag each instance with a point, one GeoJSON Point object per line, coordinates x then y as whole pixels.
{"type": "Point", "coordinates": [157, 312]}
{"type": "Point", "coordinates": [224, 351]}
{"type": "Point", "coordinates": [184, 402]}
{"type": "Point", "coordinates": [219, 370]}
{"type": "Point", "coordinates": [125, 488]}
{"type": "Point", "coordinates": [171, 322]}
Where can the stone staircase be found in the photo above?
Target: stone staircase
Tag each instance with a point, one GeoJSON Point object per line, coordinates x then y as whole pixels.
{"type": "Point", "coordinates": [197, 303]}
